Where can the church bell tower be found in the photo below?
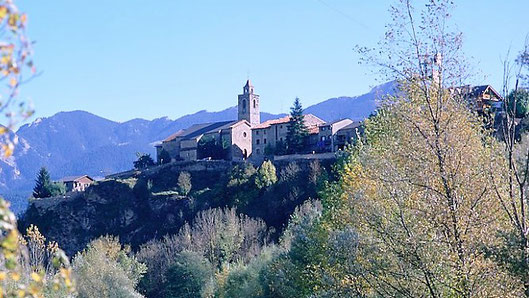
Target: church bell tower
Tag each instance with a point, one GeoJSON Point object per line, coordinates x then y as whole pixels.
{"type": "Point", "coordinates": [249, 105]}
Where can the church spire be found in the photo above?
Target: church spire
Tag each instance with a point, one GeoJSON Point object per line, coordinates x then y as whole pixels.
{"type": "Point", "coordinates": [249, 104]}
{"type": "Point", "coordinates": [248, 88]}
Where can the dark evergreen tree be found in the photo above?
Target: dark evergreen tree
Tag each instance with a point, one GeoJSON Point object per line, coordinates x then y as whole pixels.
{"type": "Point", "coordinates": [144, 161]}
{"type": "Point", "coordinates": [43, 184]}
{"type": "Point", "coordinates": [297, 131]}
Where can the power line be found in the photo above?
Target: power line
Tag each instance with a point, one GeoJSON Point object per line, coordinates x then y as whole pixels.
{"type": "Point", "coordinates": [343, 14]}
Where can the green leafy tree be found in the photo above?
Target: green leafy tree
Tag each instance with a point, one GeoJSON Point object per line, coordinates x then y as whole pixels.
{"type": "Point", "coordinates": [57, 189]}
{"type": "Point", "coordinates": [297, 131]}
{"type": "Point", "coordinates": [144, 161]}
{"type": "Point", "coordinates": [164, 157]}
{"type": "Point", "coordinates": [209, 147]}
{"type": "Point", "coordinates": [518, 101]}
{"type": "Point", "coordinates": [184, 183]}
{"type": "Point", "coordinates": [43, 184]}
{"type": "Point", "coordinates": [266, 175]}
{"type": "Point", "coordinates": [187, 276]}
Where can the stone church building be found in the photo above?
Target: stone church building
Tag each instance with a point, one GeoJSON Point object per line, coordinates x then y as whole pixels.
{"type": "Point", "coordinates": [235, 136]}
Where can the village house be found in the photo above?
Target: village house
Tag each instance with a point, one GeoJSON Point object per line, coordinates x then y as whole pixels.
{"type": "Point", "coordinates": [327, 134]}
{"type": "Point", "coordinates": [482, 99]}
{"type": "Point", "coordinates": [347, 135]}
{"type": "Point", "coordinates": [77, 183]}
{"type": "Point", "coordinates": [271, 133]}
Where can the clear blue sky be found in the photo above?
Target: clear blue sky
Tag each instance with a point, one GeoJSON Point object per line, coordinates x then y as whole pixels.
{"type": "Point", "coordinates": [123, 59]}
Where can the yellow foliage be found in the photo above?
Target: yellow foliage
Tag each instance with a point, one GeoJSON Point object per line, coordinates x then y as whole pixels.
{"type": "Point", "coordinates": [418, 193]}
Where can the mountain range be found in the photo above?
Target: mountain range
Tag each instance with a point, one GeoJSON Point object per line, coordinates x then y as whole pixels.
{"type": "Point", "coordinates": [78, 142]}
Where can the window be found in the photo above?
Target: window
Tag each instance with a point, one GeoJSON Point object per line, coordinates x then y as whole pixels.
{"type": "Point", "coordinates": [258, 151]}
{"type": "Point", "coordinates": [281, 139]}
{"type": "Point", "coordinates": [244, 134]}
{"type": "Point", "coordinates": [244, 106]}
{"type": "Point", "coordinates": [254, 103]}
{"type": "Point", "coordinates": [257, 142]}
{"type": "Point", "coordinates": [264, 141]}
{"type": "Point", "coordinates": [264, 132]}
{"type": "Point", "coordinates": [323, 138]}
{"type": "Point", "coordinates": [280, 126]}
{"type": "Point", "coordinates": [257, 132]}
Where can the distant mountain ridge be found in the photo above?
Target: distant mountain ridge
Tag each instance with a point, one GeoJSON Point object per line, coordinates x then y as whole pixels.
{"type": "Point", "coordinates": [78, 142]}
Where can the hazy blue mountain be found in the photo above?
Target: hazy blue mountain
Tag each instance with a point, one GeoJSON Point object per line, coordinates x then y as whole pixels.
{"type": "Point", "coordinates": [356, 108]}
{"type": "Point", "coordinates": [78, 142]}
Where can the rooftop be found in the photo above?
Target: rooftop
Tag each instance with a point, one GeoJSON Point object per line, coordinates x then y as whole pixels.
{"type": "Point", "coordinates": [310, 120]}
{"type": "Point", "coordinates": [74, 178]}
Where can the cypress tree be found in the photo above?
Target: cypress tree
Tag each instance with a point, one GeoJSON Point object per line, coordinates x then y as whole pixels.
{"type": "Point", "coordinates": [297, 131]}
{"type": "Point", "coordinates": [42, 184]}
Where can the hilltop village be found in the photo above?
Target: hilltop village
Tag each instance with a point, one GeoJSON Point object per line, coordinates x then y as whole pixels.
{"type": "Point", "coordinates": [247, 138]}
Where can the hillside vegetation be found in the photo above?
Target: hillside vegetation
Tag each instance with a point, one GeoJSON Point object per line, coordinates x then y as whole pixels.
{"type": "Point", "coordinates": [152, 204]}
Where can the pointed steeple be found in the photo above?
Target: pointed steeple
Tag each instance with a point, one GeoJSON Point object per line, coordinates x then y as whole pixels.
{"type": "Point", "coordinates": [249, 104]}
{"type": "Point", "coordinates": [248, 88]}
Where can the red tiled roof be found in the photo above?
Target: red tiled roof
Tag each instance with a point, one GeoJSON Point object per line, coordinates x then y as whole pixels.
{"type": "Point", "coordinates": [310, 121]}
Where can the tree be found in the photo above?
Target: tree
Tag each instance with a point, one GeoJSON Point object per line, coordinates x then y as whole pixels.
{"type": "Point", "coordinates": [297, 131]}
{"type": "Point", "coordinates": [43, 184]}
{"type": "Point", "coordinates": [187, 276]}
{"type": "Point", "coordinates": [16, 62]}
{"type": "Point", "coordinates": [518, 102]}
{"type": "Point", "coordinates": [144, 161]}
{"type": "Point", "coordinates": [511, 187]}
{"type": "Point", "coordinates": [57, 189]}
{"type": "Point", "coordinates": [106, 269]}
{"type": "Point", "coordinates": [266, 175]}
{"type": "Point", "coordinates": [164, 157]}
{"type": "Point", "coordinates": [210, 147]}
{"type": "Point", "coordinates": [420, 220]}
{"type": "Point", "coordinates": [220, 236]}
{"type": "Point", "coordinates": [184, 183]}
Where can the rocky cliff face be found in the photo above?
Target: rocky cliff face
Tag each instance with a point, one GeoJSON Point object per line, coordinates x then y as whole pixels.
{"type": "Point", "coordinates": [145, 205]}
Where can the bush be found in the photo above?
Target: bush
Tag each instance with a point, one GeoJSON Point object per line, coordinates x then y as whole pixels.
{"type": "Point", "coordinates": [106, 269]}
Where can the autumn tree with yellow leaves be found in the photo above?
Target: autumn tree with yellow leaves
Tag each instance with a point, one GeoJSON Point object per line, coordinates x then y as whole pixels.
{"type": "Point", "coordinates": [21, 275]}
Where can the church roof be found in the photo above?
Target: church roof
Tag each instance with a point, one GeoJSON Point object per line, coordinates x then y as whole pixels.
{"type": "Point", "coordinates": [197, 130]}
{"type": "Point", "coordinates": [310, 120]}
